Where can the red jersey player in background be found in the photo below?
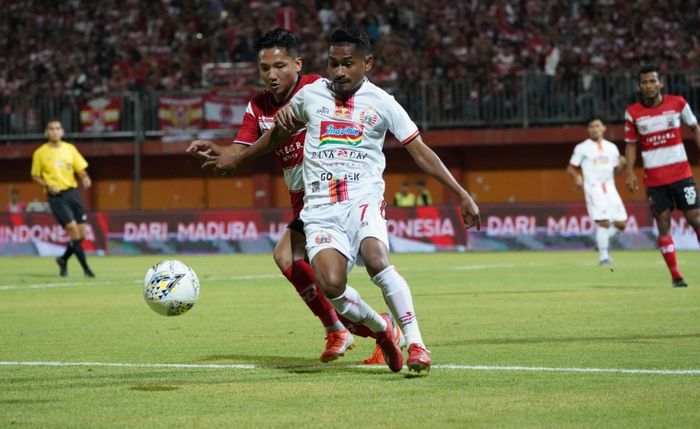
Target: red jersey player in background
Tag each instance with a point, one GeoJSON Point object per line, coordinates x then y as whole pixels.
{"type": "Point", "coordinates": [279, 65]}
{"type": "Point", "coordinates": [656, 123]}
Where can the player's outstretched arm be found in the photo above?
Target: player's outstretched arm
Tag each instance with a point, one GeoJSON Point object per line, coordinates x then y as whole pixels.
{"type": "Point", "coordinates": [227, 163]}
{"type": "Point", "coordinates": [631, 155]}
{"type": "Point", "coordinates": [204, 149]}
{"type": "Point", "coordinates": [429, 162]}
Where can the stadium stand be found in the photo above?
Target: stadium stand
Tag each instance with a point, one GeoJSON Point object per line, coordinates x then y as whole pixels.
{"type": "Point", "coordinates": [452, 63]}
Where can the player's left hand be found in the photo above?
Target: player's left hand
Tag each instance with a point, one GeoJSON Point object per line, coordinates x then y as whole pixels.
{"type": "Point", "coordinates": [203, 149]}
{"type": "Point", "coordinates": [223, 165]}
{"type": "Point", "coordinates": [86, 182]}
{"type": "Point", "coordinates": [285, 119]}
{"type": "Point", "coordinates": [470, 213]}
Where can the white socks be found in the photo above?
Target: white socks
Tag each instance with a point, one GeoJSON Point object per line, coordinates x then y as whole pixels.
{"type": "Point", "coordinates": [614, 231]}
{"type": "Point", "coordinates": [397, 296]}
{"type": "Point", "coordinates": [336, 327]}
{"type": "Point", "coordinates": [351, 306]}
{"type": "Point", "coordinates": [602, 237]}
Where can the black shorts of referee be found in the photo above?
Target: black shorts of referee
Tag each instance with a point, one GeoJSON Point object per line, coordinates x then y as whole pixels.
{"type": "Point", "coordinates": [67, 206]}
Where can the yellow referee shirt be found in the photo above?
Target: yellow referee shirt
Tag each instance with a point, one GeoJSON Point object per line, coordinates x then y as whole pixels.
{"type": "Point", "coordinates": [58, 165]}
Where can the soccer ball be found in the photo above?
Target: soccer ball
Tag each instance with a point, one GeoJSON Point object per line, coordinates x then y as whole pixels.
{"type": "Point", "coordinates": [170, 288]}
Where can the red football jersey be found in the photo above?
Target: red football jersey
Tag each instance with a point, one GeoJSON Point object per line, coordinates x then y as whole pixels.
{"type": "Point", "coordinates": [260, 117]}
{"type": "Point", "coordinates": [658, 129]}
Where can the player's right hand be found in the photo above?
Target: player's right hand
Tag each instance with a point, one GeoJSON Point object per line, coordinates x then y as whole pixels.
{"type": "Point", "coordinates": [202, 149]}
{"type": "Point", "coordinates": [470, 213]}
{"type": "Point", "coordinates": [631, 182]}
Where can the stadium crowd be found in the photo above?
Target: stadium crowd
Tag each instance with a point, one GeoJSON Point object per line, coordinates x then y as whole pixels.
{"type": "Point", "coordinates": [77, 48]}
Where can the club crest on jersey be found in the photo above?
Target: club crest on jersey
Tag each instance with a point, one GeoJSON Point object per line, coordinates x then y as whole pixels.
{"type": "Point", "coordinates": [341, 133]}
{"type": "Point", "coordinates": [323, 110]}
{"type": "Point", "coordinates": [369, 117]}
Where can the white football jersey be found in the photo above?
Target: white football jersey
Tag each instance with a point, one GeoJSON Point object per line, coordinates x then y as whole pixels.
{"type": "Point", "coordinates": [597, 161]}
{"type": "Point", "coordinates": [343, 156]}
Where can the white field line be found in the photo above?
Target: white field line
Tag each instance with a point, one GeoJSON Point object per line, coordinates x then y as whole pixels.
{"type": "Point", "coordinates": [486, 266]}
{"type": "Point", "coordinates": [109, 282]}
{"type": "Point", "coordinates": [232, 278]}
{"type": "Point", "coordinates": [443, 366]}
{"type": "Point", "coordinates": [52, 285]}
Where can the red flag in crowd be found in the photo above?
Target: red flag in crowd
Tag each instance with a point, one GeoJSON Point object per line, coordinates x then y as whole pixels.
{"type": "Point", "coordinates": [180, 113]}
{"type": "Point", "coordinates": [223, 111]}
{"type": "Point", "coordinates": [100, 114]}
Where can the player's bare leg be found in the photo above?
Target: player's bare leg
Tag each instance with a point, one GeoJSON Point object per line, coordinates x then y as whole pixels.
{"type": "Point", "coordinates": [668, 249]}
{"type": "Point", "coordinates": [398, 298]}
{"type": "Point", "coordinates": [330, 268]}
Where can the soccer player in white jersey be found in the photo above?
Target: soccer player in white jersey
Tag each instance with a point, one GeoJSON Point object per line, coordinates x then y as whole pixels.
{"type": "Point", "coordinates": [593, 167]}
{"type": "Point", "coordinates": [346, 119]}
{"type": "Point", "coordinates": [279, 63]}
{"type": "Point", "coordinates": [655, 123]}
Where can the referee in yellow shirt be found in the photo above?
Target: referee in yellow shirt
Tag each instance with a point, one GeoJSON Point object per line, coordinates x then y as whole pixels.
{"type": "Point", "coordinates": [54, 166]}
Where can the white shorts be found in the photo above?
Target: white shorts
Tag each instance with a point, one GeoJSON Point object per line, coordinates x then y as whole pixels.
{"type": "Point", "coordinates": [343, 226]}
{"type": "Point", "coordinates": [604, 203]}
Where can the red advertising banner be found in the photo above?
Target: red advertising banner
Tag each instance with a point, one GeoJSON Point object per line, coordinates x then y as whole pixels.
{"type": "Point", "coordinates": [419, 229]}
{"type": "Point", "coordinates": [567, 226]}
{"type": "Point", "coordinates": [39, 234]}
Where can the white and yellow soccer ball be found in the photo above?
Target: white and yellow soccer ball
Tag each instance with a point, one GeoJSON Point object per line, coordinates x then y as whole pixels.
{"type": "Point", "coordinates": [170, 288]}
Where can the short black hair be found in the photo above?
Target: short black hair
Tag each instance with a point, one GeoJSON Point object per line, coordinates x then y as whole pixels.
{"type": "Point", "coordinates": [350, 35]}
{"type": "Point", "coordinates": [279, 38]}
{"type": "Point", "coordinates": [649, 68]}
{"type": "Point", "coordinates": [594, 118]}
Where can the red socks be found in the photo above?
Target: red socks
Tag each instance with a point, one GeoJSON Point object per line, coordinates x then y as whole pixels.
{"type": "Point", "coordinates": [668, 251]}
{"type": "Point", "coordinates": [302, 277]}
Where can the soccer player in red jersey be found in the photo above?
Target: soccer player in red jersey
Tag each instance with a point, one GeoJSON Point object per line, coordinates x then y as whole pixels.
{"type": "Point", "coordinates": [656, 123]}
{"type": "Point", "coordinates": [280, 65]}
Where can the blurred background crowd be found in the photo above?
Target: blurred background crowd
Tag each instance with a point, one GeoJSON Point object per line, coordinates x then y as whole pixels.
{"type": "Point", "coordinates": [78, 47]}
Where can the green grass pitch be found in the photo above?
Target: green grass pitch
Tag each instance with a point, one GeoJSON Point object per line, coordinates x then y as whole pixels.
{"type": "Point", "coordinates": [518, 340]}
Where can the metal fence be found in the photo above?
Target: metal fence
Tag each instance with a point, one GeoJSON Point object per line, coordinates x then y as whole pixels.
{"type": "Point", "coordinates": [514, 101]}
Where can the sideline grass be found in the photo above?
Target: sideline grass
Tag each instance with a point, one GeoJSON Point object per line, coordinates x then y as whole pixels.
{"type": "Point", "coordinates": [556, 310]}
